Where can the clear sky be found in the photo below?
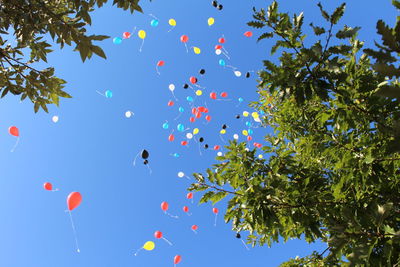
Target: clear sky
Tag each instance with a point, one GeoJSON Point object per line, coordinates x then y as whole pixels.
{"type": "Point", "coordinates": [92, 146]}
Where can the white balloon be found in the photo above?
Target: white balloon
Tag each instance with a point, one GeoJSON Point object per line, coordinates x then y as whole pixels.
{"type": "Point", "coordinates": [189, 136]}
{"type": "Point", "coordinates": [238, 73]}
{"type": "Point", "coordinates": [128, 114]}
{"type": "Point", "coordinates": [181, 174]}
{"type": "Point", "coordinates": [55, 119]}
{"type": "Point", "coordinates": [218, 52]}
{"type": "Point", "coordinates": [219, 154]}
{"type": "Point", "coordinates": [257, 119]}
{"type": "Point", "coordinates": [171, 87]}
{"type": "Point", "coordinates": [247, 149]}
{"type": "Point", "coordinates": [235, 136]}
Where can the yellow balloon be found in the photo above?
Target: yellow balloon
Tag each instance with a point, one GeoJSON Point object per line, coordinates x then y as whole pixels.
{"type": "Point", "coordinates": [142, 34]}
{"type": "Point", "coordinates": [196, 131]}
{"type": "Point", "coordinates": [149, 245]}
{"type": "Point", "coordinates": [172, 22]}
{"type": "Point", "coordinates": [260, 156]}
{"type": "Point", "coordinates": [245, 132]}
{"type": "Point", "coordinates": [196, 50]}
{"type": "Point", "coordinates": [223, 131]}
{"type": "Point", "coordinates": [199, 92]}
{"type": "Point", "coordinates": [245, 113]}
{"type": "Point", "coordinates": [254, 115]}
{"type": "Point", "coordinates": [210, 21]}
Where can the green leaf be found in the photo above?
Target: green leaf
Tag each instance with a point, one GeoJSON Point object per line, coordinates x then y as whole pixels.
{"type": "Point", "coordinates": [317, 30]}
{"type": "Point", "coordinates": [256, 24]}
{"type": "Point", "coordinates": [338, 13]}
{"type": "Point", "coordinates": [98, 51]}
{"type": "Point", "coordinates": [387, 36]}
{"type": "Point", "coordinates": [324, 14]}
{"type": "Point", "coordinates": [347, 32]}
{"type": "Point", "coordinates": [218, 197]}
{"type": "Point", "coordinates": [265, 35]}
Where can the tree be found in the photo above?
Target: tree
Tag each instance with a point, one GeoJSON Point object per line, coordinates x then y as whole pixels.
{"type": "Point", "coordinates": [33, 23]}
{"type": "Point", "coordinates": [332, 169]}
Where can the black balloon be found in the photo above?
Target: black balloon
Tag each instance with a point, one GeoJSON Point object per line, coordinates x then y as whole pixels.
{"type": "Point", "coordinates": [214, 3]}
{"type": "Point", "coordinates": [220, 7]}
{"type": "Point", "coordinates": [238, 235]}
{"type": "Point", "coordinates": [201, 139]}
{"type": "Point", "coordinates": [205, 146]}
{"type": "Point", "coordinates": [202, 71]}
{"type": "Point", "coordinates": [237, 116]}
{"type": "Point", "coordinates": [186, 86]}
{"type": "Point", "coordinates": [145, 162]}
{"type": "Point", "coordinates": [145, 154]}
{"type": "Point", "coordinates": [247, 74]}
{"type": "Point", "coordinates": [224, 126]}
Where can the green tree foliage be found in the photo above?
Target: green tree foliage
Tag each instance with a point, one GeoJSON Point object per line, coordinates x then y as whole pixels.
{"type": "Point", "coordinates": [332, 166]}
{"type": "Point", "coordinates": [32, 23]}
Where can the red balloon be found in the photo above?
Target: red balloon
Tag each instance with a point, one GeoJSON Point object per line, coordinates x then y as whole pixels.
{"type": "Point", "coordinates": [198, 115]}
{"type": "Point", "coordinates": [157, 234]}
{"type": "Point", "coordinates": [194, 227]}
{"type": "Point", "coordinates": [216, 147]}
{"type": "Point", "coordinates": [194, 110]}
{"type": "Point", "coordinates": [189, 195]}
{"type": "Point", "coordinates": [185, 208]}
{"type": "Point", "coordinates": [215, 210]}
{"type": "Point", "coordinates": [248, 34]}
{"type": "Point", "coordinates": [184, 38]}
{"type": "Point", "coordinates": [218, 47]}
{"type": "Point", "coordinates": [13, 131]}
{"type": "Point", "coordinates": [126, 35]}
{"type": "Point", "coordinates": [170, 103]}
{"type": "Point", "coordinates": [177, 259]}
{"type": "Point", "coordinates": [164, 206]}
{"type": "Point", "coordinates": [184, 143]}
{"type": "Point", "coordinates": [206, 110]}
{"type": "Point", "coordinates": [201, 109]}
{"type": "Point", "coordinates": [191, 119]}
{"type": "Point", "coordinates": [74, 200]}
{"type": "Point", "coordinates": [213, 95]}
{"type": "Point", "coordinates": [48, 186]}
{"type": "Point", "coordinates": [249, 138]}
{"type": "Point", "coordinates": [259, 145]}
{"type": "Point", "coordinates": [224, 94]}
{"type": "Point", "coordinates": [221, 40]}
{"type": "Point", "coordinates": [171, 137]}
{"type": "Point", "coordinates": [160, 63]}
{"type": "Point", "coordinates": [208, 117]}
{"type": "Point", "coordinates": [193, 80]}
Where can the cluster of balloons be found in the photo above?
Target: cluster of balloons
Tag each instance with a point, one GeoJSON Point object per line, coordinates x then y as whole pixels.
{"type": "Point", "coordinates": [216, 5]}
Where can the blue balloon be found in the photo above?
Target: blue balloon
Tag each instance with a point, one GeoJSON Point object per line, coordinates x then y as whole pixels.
{"type": "Point", "coordinates": [165, 125]}
{"type": "Point", "coordinates": [154, 23]}
{"type": "Point", "coordinates": [262, 112]}
{"type": "Point", "coordinates": [250, 131]}
{"type": "Point", "coordinates": [108, 94]}
{"type": "Point", "coordinates": [189, 98]}
{"type": "Point", "coordinates": [222, 62]}
{"type": "Point", "coordinates": [240, 99]}
{"type": "Point", "coordinates": [176, 155]}
{"type": "Point", "coordinates": [248, 124]}
{"type": "Point", "coordinates": [180, 127]}
{"type": "Point", "coordinates": [181, 109]}
{"type": "Point", "coordinates": [117, 40]}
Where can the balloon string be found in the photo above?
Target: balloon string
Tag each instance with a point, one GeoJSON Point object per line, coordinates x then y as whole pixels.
{"type": "Point", "coordinates": [232, 67]}
{"type": "Point", "coordinates": [189, 214]}
{"type": "Point", "coordinates": [245, 244]}
{"type": "Point", "coordinates": [151, 15]}
{"type": "Point", "coordinates": [150, 170]}
{"type": "Point", "coordinates": [166, 240]}
{"type": "Point", "coordinates": [180, 114]}
{"type": "Point", "coordinates": [74, 231]}
{"type": "Point", "coordinates": [194, 231]}
{"type": "Point", "coordinates": [215, 221]}
{"type": "Point", "coordinates": [134, 161]}
{"type": "Point", "coordinates": [171, 29]}
{"type": "Point", "coordinates": [170, 215]}
{"type": "Point", "coordinates": [228, 57]}
{"type": "Point", "coordinates": [223, 99]}
{"type": "Point", "coordinates": [141, 46]}
{"type": "Point", "coordinates": [158, 72]}
{"type": "Point", "coordinates": [220, 136]}
{"type": "Point", "coordinates": [187, 177]}
{"type": "Point", "coordinates": [55, 190]}
{"type": "Point", "coordinates": [100, 93]}
{"type": "Point", "coordinates": [15, 145]}
{"type": "Point", "coordinates": [137, 251]}
{"type": "Point", "coordinates": [200, 150]}
{"type": "Point", "coordinates": [176, 99]}
{"type": "Point", "coordinates": [187, 50]}
{"type": "Point", "coordinates": [226, 51]}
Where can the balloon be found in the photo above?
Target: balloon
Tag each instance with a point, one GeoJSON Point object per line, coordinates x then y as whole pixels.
{"type": "Point", "coordinates": [189, 136]}
{"type": "Point", "coordinates": [184, 143]}
{"type": "Point", "coordinates": [250, 131]}
{"type": "Point", "coordinates": [248, 124]}
{"type": "Point", "coordinates": [219, 154]}
{"type": "Point", "coordinates": [202, 71]}
{"type": "Point", "coordinates": [128, 114]}
{"type": "Point", "coordinates": [199, 92]}
{"type": "Point", "coordinates": [201, 139]}
{"type": "Point", "coordinates": [223, 131]}
{"type": "Point", "coordinates": [180, 127]}
{"type": "Point", "coordinates": [172, 22]}
{"type": "Point", "coordinates": [240, 99]}
{"type": "Point", "coordinates": [224, 94]}
{"type": "Point", "coordinates": [218, 52]}
{"type": "Point", "coordinates": [248, 34]}
{"type": "Point", "coordinates": [222, 62]}
{"type": "Point", "coordinates": [193, 80]}
{"type": "Point", "coordinates": [205, 146]}
{"type": "Point", "coordinates": [48, 186]}
{"type": "Point", "coordinates": [220, 7]}
{"type": "Point", "coordinates": [260, 156]}
{"type": "Point", "coordinates": [165, 125]}
{"type": "Point", "coordinates": [196, 131]}
{"type": "Point", "coordinates": [164, 206]}
{"type": "Point", "coordinates": [224, 126]}
{"type": "Point", "coordinates": [255, 115]}
{"type": "Point", "coordinates": [218, 47]}
{"type": "Point", "coordinates": [210, 21]}
{"type": "Point", "coordinates": [194, 227]}
{"type": "Point", "coordinates": [237, 116]}
{"type": "Point", "coordinates": [257, 119]}
{"type": "Point", "coordinates": [245, 133]}
{"type": "Point", "coordinates": [191, 119]}
{"type": "Point", "coordinates": [189, 98]}
{"type": "Point", "coordinates": [216, 147]}
{"type": "Point", "coordinates": [181, 109]}
{"type": "Point", "coordinates": [142, 34]}
{"type": "Point", "coordinates": [237, 73]}
{"type": "Point", "coordinates": [170, 103]}
{"type": "Point", "coordinates": [189, 195]}
{"type": "Point", "coordinates": [201, 109]}
{"type": "Point", "coordinates": [108, 94]}
{"type": "Point", "coordinates": [184, 38]}
{"type": "Point", "coordinates": [171, 137]}
{"type": "Point", "coordinates": [185, 208]}
{"type": "Point", "coordinates": [176, 155]}
{"type": "Point", "coordinates": [55, 119]}
{"type": "Point", "coordinates": [198, 115]}
{"type": "Point", "coordinates": [181, 174]}
{"type": "Point", "coordinates": [149, 245]}
{"type": "Point", "coordinates": [235, 136]}
{"type": "Point", "coordinates": [221, 40]}
{"type": "Point", "coordinates": [145, 154]}
{"type": "Point", "coordinates": [185, 86]}
{"type": "Point", "coordinates": [208, 117]}
{"type": "Point", "coordinates": [194, 110]}
{"type": "Point", "coordinates": [154, 23]}
{"type": "Point", "coordinates": [238, 235]}
{"type": "Point", "coordinates": [213, 95]}
{"type": "Point", "coordinates": [74, 200]}
{"type": "Point", "coordinates": [158, 234]}
{"type": "Point", "coordinates": [171, 87]}
{"type": "Point", "coordinates": [126, 35]}
{"type": "Point", "coordinates": [215, 210]}
{"type": "Point", "coordinates": [177, 259]}
{"type": "Point", "coordinates": [117, 40]}
{"type": "Point", "coordinates": [249, 138]}
{"type": "Point", "coordinates": [245, 113]}
{"type": "Point", "coordinates": [196, 50]}
{"type": "Point", "coordinates": [247, 74]}
{"type": "Point", "coordinates": [160, 63]}
{"type": "Point", "coordinates": [214, 3]}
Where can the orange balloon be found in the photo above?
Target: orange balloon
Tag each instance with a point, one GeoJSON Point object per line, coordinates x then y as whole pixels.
{"type": "Point", "coordinates": [160, 63]}
{"type": "Point", "coordinates": [74, 200]}
{"type": "Point", "coordinates": [194, 227]}
{"type": "Point", "coordinates": [248, 34]}
{"type": "Point", "coordinates": [13, 131]}
{"type": "Point", "coordinates": [164, 206]}
{"type": "Point", "coordinates": [48, 186]}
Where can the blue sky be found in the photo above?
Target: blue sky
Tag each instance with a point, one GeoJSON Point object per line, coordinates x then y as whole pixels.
{"type": "Point", "coordinates": [92, 146]}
